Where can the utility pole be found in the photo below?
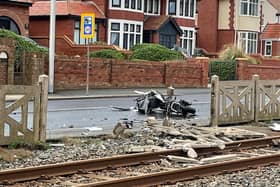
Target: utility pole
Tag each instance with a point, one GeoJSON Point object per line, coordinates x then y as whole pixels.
{"type": "Point", "coordinates": [52, 45]}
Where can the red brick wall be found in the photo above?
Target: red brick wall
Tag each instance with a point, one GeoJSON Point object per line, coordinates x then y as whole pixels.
{"type": "Point", "coordinates": [225, 37]}
{"type": "Point", "coordinates": [207, 25]}
{"type": "Point", "coordinates": [20, 14]}
{"type": "Point", "coordinates": [3, 72]}
{"type": "Point", "coordinates": [70, 73]}
{"type": "Point", "coordinates": [269, 69]}
{"type": "Point", "coordinates": [127, 15]}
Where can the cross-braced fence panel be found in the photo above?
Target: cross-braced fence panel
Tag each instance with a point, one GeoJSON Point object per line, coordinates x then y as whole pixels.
{"type": "Point", "coordinates": [268, 99]}
{"type": "Point", "coordinates": [236, 100]}
{"type": "Point", "coordinates": [19, 114]}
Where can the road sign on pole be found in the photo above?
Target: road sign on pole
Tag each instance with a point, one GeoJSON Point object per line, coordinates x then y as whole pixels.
{"type": "Point", "coordinates": [87, 25]}
{"type": "Point", "coordinates": [87, 32]}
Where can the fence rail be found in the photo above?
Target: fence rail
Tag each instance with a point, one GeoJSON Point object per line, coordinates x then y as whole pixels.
{"type": "Point", "coordinates": [244, 100]}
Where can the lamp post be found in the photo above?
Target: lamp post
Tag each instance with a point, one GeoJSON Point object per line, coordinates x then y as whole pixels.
{"type": "Point", "coordinates": [52, 46]}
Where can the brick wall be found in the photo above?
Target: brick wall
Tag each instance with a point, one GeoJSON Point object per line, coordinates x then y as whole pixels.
{"type": "Point", "coordinates": [70, 73]}
{"type": "Point", "coordinates": [3, 72]}
{"type": "Point", "coordinates": [269, 69]}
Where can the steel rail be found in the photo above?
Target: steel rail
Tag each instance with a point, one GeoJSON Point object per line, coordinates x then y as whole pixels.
{"type": "Point", "coordinates": [32, 173]}
{"type": "Point", "coordinates": [170, 177]}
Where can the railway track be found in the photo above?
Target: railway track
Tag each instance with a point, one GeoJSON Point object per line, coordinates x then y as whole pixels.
{"type": "Point", "coordinates": [62, 169]}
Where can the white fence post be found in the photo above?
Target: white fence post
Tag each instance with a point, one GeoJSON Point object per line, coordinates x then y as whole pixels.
{"type": "Point", "coordinates": [256, 109]}
{"type": "Point", "coordinates": [214, 100]}
{"type": "Point", "coordinates": [43, 81]}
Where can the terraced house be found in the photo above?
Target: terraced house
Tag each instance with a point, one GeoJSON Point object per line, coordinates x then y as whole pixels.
{"type": "Point", "coordinates": [123, 23]}
{"type": "Point", "coordinates": [237, 22]}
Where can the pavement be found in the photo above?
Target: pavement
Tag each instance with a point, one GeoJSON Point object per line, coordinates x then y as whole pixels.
{"type": "Point", "coordinates": [125, 92]}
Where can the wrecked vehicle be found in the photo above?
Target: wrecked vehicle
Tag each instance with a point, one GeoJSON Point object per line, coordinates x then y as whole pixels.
{"type": "Point", "coordinates": [147, 102]}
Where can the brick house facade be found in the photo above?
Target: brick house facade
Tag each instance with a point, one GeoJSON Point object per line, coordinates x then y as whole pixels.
{"type": "Point", "coordinates": [235, 22]}
{"type": "Point", "coordinates": [14, 15]}
{"type": "Point", "coordinates": [121, 22]}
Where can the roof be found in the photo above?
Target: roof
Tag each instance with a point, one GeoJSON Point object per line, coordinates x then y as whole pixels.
{"type": "Point", "coordinates": [75, 8]}
{"type": "Point", "coordinates": [271, 31]}
{"type": "Point", "coordinates": [275, 4]}
{"type": "Point", "coordinates": [19, 2]}
{"type": "Point", "coordinates": [154, 23]}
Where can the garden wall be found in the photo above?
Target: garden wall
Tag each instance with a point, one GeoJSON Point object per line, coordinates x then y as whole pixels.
{"type": "Point", "coordinates": [268, 69]}
{"type": "Point", "coordinates": [70, 73]}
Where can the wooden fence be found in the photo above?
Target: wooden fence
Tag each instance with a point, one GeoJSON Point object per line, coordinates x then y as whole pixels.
{"type": "Point", "coordinates": [23, 112]}
{"type": "Point", "coordinates": [244, 101]}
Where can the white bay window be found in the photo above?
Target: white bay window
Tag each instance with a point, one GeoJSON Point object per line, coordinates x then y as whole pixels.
{"type": "Point", "coordinates": [247, 41]}
{"type": "Point", "coordinates": [187, 40]}
{"type": "Point", "coordinates": [181, 8]}
{"type": "Point", "coordinates": [124, 33]}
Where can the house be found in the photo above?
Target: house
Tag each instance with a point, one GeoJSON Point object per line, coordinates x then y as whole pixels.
{"type": "Point", "coordinates": [270, 37]}
{"type": "Point", "coordinates": [235, 22]}
{"type": "Point", "coordinates": [14, 15]}
{"type": "Point", "coordinates": [68, 13]}
{"type": "Point", "coordinates": [122, 23]}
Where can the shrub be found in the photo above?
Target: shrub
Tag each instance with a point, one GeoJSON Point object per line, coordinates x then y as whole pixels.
{"type": "Point", "coordinates": [107, 53]}
{"type": "Point", "coordinates": [225, 69]}
{"type": "Point", "coordinates": [231, 53]}
{"type": "Point", "coordinates": [22, 42]}
{"type": "Point", "coordinates": [154, 52]}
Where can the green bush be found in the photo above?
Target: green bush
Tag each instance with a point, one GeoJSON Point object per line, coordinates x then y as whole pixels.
{"type": "Point", "coordinates": [22, 42]}
{"type": "Point", "coordinates": [225, 69]}
{"type": "Point", "coordinates": [154, 52]}
{"type": "Point", "coordinates": [107, 53]}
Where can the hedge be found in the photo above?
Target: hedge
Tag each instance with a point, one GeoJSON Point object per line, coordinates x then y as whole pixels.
{"type": "Point", "coordinates": [107, 53]}
{"type": "Point", "coordinates": [224, 69]}
{"type": "Point", "coordinates": [154, 52]}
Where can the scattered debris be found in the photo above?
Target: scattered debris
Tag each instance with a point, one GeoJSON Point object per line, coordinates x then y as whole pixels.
{"type": "Point", "coordinates": [182, 159]}
{"type": "Point", "coordinates": [275, 126]}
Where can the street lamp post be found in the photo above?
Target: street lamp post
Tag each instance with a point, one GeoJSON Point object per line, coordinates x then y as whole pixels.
{"type": "Point", "coordinates": [52, 46]}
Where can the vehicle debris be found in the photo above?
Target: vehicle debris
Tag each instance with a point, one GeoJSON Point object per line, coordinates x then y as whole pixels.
{"type": "Point", "coordinates": [149, 101]}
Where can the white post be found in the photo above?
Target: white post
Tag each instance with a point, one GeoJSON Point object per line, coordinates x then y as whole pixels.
{"type": "Point", "coordinates": [52, 46]}
{"type": "Point", "coordinates": [87, 66]}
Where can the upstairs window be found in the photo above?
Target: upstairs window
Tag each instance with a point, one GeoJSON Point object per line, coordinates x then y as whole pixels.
{"type": "Point", "coordinates": [151, 7]}
{"type": "Point", "coordinates": [249, 7]}
{"type": "Point", "coordinates": [182, 8]}
{"type": "Point", "coordinates": [172, 7]}
{"type": "Point", "coordinates": [127, 4]}
{"type": "Point", "coordinates": [116, 3]}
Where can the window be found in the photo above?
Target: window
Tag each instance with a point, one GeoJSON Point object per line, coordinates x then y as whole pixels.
{"type": "Point", "coordinates": [249, 7]}
{"type": "Point", "coordinates": [268, 48]}
{"type": "Point", "coordinates": [172, 7]}
{"type": "Point", "coordinates": [151, 6]}
{"type": "Point", "coordinates": [116, 3]}
{"type": "Point", "coordinates": [125, 34]}
{"type": "Point", "coordinates": [127, 4]}
{"type": "Point", "coordinates": [77, 36]}
{"type": "Point", "coordinates": [185, 8]}
{"type": "Point", "coordinates": [247, 41]}
{"type": "Point", "coordinates": [9, 24]}
{"type": "Point", "coordinates": [187, 40]}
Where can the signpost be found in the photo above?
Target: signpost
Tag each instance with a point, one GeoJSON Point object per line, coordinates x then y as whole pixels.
{"type": "Point", "coordinates": [87, 32]}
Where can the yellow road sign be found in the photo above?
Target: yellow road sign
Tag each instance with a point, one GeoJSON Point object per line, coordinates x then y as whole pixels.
{"type": "Point", "coordinates": [87, 25]}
